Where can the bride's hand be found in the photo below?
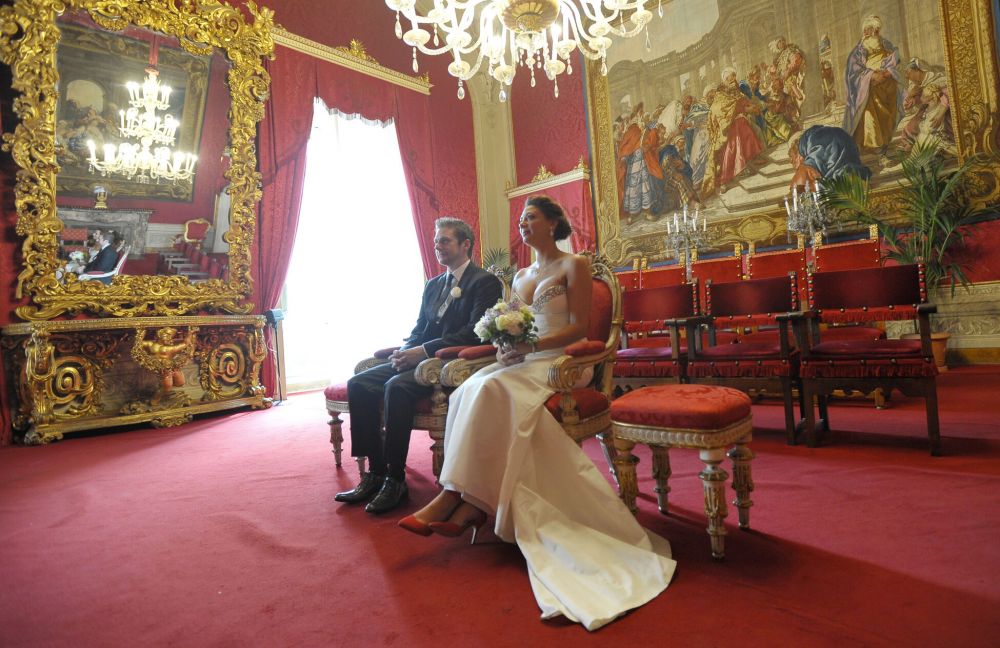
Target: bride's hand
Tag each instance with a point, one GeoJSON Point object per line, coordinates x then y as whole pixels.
{"type": "Point", "coordinates": [508, 355]}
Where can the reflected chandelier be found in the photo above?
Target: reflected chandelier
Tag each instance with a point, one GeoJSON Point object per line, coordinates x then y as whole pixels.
{"type": "Point", "coordinates": [534, 33]}
{"type": "Point", "coordinates": [140, 122]}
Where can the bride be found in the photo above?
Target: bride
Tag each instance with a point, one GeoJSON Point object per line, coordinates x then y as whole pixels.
{"type": "Point", "coordinates": [507, 456]}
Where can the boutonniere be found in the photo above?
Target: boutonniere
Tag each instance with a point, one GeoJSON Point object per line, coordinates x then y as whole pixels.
{"type": "Point", "coordinates": [456, 292]}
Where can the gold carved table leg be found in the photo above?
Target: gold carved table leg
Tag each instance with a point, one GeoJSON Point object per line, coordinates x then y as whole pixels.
{"type": "Point", "coordinates": [625, 462]}
{"type": "Point", "coordinates": [741, 456]}
{"type": "Point", "coordinates": [661, 473]}
{"type": "Point", "coordinates": [714, 480]}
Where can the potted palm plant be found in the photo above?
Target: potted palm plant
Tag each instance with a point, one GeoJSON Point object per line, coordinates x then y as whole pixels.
{"type": "Point", "coordinates": [923, 223]}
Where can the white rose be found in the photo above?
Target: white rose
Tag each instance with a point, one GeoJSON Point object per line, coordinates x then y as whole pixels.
{"type": "Point", "coordinates": [456, 292]}
{"type": "Point", "coordinates": [511, 323]}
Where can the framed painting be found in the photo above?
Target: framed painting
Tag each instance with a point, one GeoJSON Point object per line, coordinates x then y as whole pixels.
{"type": "Point", "coordinates": [94, 67]}
{"type": "Point", "coordinates": [733, 100]}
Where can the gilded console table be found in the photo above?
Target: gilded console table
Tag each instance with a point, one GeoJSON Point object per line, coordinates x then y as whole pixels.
{"type": "Point", "coordinates": [71, 375]}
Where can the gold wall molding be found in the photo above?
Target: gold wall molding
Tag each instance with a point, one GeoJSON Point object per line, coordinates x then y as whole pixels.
{"type": "Point", "coordinates": [544, 179]}
{"type": "Point", "coordinates": [353, 57]}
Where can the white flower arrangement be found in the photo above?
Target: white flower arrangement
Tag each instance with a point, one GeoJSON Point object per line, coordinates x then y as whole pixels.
{"type": "Point", "coordinates": [456, 292]}
{"type": "Point", "coordinates": [507, 325]}
{"type": "Point", "coordinates": [76, 256]}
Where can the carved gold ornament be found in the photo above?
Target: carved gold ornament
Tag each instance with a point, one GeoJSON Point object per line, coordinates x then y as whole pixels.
{"type": "Point", "coordinates": [969, 46]}
{"type": "Point", "coordinates": [29, 37]}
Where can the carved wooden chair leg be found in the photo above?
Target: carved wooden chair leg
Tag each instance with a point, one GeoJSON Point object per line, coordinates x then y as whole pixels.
{"type": "Point", "coordinates": [714, 480]}
{"type": "Point", "coordinates": [823, 402]}
{"type": "Point", "coordinates": [879, 397]}
{"type": "Point", "coordinates": [625, 462]}
{"type": "Point", "coordinates": [808, 399]}
{"type": "Point", "coordinates": [336, 436]}
{"type": "Point", "coordinates": [786, 393]}
{"type": "Point", "coordinates": [607, 440]}
{"type": "Point", "coordinates": [437, 452]}
{"type": "Point", "coordinates": [741, 456]}
{"type": "Point", "coordinates": [661, 473]}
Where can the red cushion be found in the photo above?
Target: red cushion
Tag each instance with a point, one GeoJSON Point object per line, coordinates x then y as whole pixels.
{"type": "Point", "coordinates": [767, 336]}
{"type": "Point", "coordinates": [647, 368]}
{"type": "Point", "coordinates": [843, 333]}
{"type": "Point", "coordinates": [636, 353]}
{"type": "Point", "coordinates": [697, 407]}
{"type": "Point", "coordinates": [448, 353]}
{"type": "Point", "coordinates": [651, 341]}
{"type": "Point", "coordinates": [477, 352]}
{"type": "Point", "coordinates": [336, 392]}
{"type": "Point", "coordinates": [589, 402]}
{"type": "Point", "coordinates": [868, 348]}
{"type": "Point", "coordinates": [748, 350]}
{"type": "Point", "coordinates": [584, 348]}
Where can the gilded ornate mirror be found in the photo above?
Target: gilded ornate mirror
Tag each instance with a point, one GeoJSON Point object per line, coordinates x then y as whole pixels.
{"type": "Point", "coordinates": [136, 133]}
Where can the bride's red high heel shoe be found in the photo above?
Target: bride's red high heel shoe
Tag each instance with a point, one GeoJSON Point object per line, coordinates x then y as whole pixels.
{"type": "Point", "coordinates": [454, 530]}
{"type": "Point", "coordinates": [413, 525]}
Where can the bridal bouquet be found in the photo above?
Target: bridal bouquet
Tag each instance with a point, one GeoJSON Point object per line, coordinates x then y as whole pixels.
{"type": "Point", "coordinates": [506, 325]}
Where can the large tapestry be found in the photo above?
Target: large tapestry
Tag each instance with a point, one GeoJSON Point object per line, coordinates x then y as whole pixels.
{"type": "Point", "coordinates": [732, 102]}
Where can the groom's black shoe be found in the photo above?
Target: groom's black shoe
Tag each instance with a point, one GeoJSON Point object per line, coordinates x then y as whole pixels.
{"type": "Point", "coordinates": [393, 492]}
{"type": "Point", "coordinates": [370, 484]}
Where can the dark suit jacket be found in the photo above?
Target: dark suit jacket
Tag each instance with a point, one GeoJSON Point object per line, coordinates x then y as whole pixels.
{"type": "Point", "coordinates": [104, 261]}
{"type": "Point", "coordinates": [480, 290]}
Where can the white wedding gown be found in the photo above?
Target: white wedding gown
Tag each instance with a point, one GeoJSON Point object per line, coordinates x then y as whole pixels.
{"type": "Point", "coordinates": [588, 559]}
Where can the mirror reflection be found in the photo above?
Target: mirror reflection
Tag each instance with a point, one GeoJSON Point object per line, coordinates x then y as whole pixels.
{"type": "Point", "coordinates": [141, 139]}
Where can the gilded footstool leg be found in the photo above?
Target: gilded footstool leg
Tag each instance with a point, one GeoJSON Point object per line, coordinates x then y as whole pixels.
{"type": "Point", "coordinates": [661, 473]}
{"type": "Point", "coordinates": [336, 435]}
{"type": "Point", "coordinates": [741, 456]}
{"type": "Point", "coordinates": [437, 452]}
{"type": "Point", "coordinates": [628, 487]}
{"type": "Point", "coordinates": [607, 440]}
{"type": "Point", "coordinates": [714, 480]}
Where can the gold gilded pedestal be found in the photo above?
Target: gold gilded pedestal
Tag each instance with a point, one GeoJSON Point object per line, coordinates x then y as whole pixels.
{"type": "Point", "coordinates": [86, 374]}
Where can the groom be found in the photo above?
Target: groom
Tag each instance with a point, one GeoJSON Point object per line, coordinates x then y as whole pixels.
{"type": "Point", "coordinates": [452, 304]}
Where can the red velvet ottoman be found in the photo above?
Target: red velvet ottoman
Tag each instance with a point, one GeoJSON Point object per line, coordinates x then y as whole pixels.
{"type": "Point", "coordinates": [707, 418]}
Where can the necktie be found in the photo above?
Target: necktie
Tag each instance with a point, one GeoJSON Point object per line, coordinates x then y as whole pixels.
{"type": "Point", "coordinates": [444, 300]}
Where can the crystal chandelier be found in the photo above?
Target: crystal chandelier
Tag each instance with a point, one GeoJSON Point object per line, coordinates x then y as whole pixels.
{"type": "Point", "coordinates": [807, 214]}
{"type": "Point", "coordinates": [534, 33]}
{"type": "Point", "coordinates": [148, 156]}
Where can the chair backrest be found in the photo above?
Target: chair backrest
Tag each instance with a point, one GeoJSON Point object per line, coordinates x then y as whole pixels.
{"type": "Point", "coordinates": [605, 303]}
{"type": "Point", "coordinates": [500, 274]}
{"type": "Point", "coordinates": [672, 275]}
{"type": "Point", "coordinates": [849, 255]}
{"type": "Point", "coordinates": [722, 270]}
{"type": "Point", "coordinates": [196, 229]}
{"type": "Point", "coordinates": [121, 260]}
{"type": "Point", "coordinates": [628, 280]}
{"type": "Point", "coordinates": [666, 302]}
{"type": "Point", "coordinates": [765, 265]}
{"type": "Point", "coordinates": [868, 287]}
{"type": "Point", "coordinates": [753, 297]}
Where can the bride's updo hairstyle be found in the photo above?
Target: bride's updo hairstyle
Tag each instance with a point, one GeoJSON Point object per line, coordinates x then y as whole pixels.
{"type": "Point", "coordinates": [553, 211]}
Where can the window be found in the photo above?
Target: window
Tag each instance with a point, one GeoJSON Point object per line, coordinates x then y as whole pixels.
{"type": "Point", "coordinates": [356, 276]}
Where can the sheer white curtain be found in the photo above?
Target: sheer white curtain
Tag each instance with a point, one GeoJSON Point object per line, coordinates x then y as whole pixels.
{"type": "Point", "coordinates": [355, 278]}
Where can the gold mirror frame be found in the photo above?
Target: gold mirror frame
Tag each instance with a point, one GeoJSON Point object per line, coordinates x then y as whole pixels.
{"type": "Point", "coordinates": [969, 46]}
{"type": "Point", "coordinates": [29, 36]}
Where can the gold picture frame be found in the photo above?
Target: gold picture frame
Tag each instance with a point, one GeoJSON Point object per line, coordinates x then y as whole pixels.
{"type": "Point", "coordinates": [971, 62]}
{"type": "Point", "coordinates": [29, 38]}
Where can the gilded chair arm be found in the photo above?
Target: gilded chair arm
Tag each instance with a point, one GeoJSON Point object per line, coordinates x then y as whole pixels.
{"type": "Point", "coordinates": [566, 370]}
{"type": "Point", "coordinates": [457, 371]}
{"type": "Point", "coordinates": [368, 363]}
{"type": "Point", "coordinates": [428, 372]}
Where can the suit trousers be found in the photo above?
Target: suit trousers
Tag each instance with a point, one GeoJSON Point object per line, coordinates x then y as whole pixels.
{"type": "Point", "coordinates": [397, 394]}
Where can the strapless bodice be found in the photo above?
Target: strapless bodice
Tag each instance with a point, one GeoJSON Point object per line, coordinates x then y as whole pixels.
{"type": "Point", "coordinates": [551, 309]}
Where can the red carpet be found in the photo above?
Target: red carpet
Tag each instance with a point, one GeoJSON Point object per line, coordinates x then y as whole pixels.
{"type": "Point", "coordinates": [222, 533]}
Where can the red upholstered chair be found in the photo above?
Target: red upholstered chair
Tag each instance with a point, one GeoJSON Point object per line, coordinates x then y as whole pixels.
{"type": "Point", "coordinates": [722, 270]}
{"type": "Point", "coordinates": [849, 255]}
{"type": "Point", "coordinates": [648, 355]}
{"type": "Point", "coordinates": [584, 412]}
{"type": "Point", "coordinates": [759, 366]}
{"type": "Point", "coordinates": [874, 294]}
{"type": "Point", "coordinates": [628, 280]}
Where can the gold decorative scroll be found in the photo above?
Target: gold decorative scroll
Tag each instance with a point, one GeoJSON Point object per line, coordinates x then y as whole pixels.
{"type": "Point", "coordinates": [545, 179]}
{"type": "Point", "coordinates": [354, 58]}
{"type": "Point", "coordinates": [29, 37]}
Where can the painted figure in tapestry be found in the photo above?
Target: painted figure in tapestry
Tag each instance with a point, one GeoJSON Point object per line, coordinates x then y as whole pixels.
{"type": "Point", "coordinates": [874, 89]}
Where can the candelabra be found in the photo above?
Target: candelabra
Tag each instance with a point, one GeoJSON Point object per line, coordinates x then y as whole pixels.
{"type": "Point", "coordinates": [806, 213]}
{"type": "Point", "coordinates": [685, 236]}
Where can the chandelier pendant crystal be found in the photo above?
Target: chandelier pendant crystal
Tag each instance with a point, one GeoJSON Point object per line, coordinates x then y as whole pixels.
{"type": "Point", "coordinates": [539, 34]}
{"type": "Point", "coordinates": [149, 156]}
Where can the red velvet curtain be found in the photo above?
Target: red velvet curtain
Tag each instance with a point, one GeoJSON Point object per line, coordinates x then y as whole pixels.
{"type": "Point", "coordinates": [296, 80]}
{"type": "Point", "coordinates": [575, 198]}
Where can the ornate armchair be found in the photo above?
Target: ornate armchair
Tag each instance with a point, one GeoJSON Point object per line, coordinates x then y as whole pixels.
{"type": "Point", "coordinates": [106, 277]}
{"type": "Point", "coordinates": [760, 366]}
{"type": "Point", "coordinates": [873, 294]}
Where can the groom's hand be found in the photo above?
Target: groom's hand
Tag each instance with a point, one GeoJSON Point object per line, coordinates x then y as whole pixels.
{"type": "Point", "coordinates": [403, 360]}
